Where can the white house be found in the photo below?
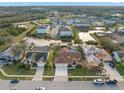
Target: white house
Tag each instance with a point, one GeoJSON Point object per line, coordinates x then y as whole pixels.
{"type": "Point", "coordinates": [22, 26]}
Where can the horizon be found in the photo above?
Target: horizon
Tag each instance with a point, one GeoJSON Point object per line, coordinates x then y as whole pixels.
{"type": "Point", "coordinates": [61, 3]}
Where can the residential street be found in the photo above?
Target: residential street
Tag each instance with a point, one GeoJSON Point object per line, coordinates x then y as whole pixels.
{"type": "Point", "coordinates": [73, 85]}
{"type": "Point", "coordinates": [113, 73]}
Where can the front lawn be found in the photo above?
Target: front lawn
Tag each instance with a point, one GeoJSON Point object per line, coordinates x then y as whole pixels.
{"type": "Point", "coordinates": [13, 69]}
{"type": "Point", "coordinates": [120, 69]}
{"type": "Point", "coordinates": [80, 71]}
{"type": "Point", "coordinates": [48, 71]}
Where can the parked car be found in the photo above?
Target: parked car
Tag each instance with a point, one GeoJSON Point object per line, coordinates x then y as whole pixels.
{"type": "Point", "coordinates": [39, 88]}
{"type": "Point", "coordinates": [14, 81]}
{"type": "Point", "coordinates": [111, 65]}
{"type": "Point", "coordinates": [112, 81]}
{"type": "Point", "coordinates": [98, 81]}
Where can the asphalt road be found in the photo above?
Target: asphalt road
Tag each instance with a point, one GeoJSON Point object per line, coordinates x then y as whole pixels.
{"type": "Point", "coordinates": [72, 85]}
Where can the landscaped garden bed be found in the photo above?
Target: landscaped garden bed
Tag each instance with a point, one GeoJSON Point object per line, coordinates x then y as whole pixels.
{"type": "Point", "coordinates": [48, 71]}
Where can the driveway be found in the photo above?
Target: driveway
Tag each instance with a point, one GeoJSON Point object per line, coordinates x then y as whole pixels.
{"type": "Point", "coordinates": [39, 73]}
{"type": "Point", "coordinates": [61, 72]}
{"type": "Point", "coordinates": [113, 73]}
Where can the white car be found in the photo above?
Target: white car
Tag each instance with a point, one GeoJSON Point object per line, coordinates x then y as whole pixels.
{"type": "Point", "coordinates": [98, 81]}
{"type": "Point", "coordinates": [39, 88]}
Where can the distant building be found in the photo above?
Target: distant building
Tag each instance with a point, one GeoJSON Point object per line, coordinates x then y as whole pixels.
{"type": "Point", "coordinates": [22, 26]}
{"type": "Point", "coordinates": [121, 30]}
{"type": "Point", "coordinates": [64, 31]}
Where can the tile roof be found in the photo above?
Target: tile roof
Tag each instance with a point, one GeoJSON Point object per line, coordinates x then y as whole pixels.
{"type": "Point", "coordinates": [65, 53]}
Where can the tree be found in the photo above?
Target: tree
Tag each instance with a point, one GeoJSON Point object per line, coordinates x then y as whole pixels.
{"type": "Point", "coordinates": [19, 48]}
{"type": "Point", "coordinates": [91, 42]}
{"type": "Point", "coordinates": [109, 44]}
{"type": "Point", "coordinates": [122, 60]}
{"type": "Point", "coordinates": [2, 41]}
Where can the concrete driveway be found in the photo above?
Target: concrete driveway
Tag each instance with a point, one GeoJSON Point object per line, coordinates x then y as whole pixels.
{"type": "Point", "coordinates": [39, 73]}
{"type": "Point", "coordinates": [61, 72]}
{"type": "Point", "coordinates": [113, 73]}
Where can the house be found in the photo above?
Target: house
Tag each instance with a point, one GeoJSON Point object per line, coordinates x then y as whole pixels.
{"type": "Point", "coordinates": [22, 26]}
{"type": "Point", "coordinates": [68, 55]}
{"type": "Point", "coordinates": [121, 30]}
{"type": "Point", "coordinates": [37, 55]}
{"type": "Point", "coordinates": [96, 55]}
{"type": "Point", "coordinates": [96, 23]}
{"type": "Point", "coordinates": [101, 33]}
{"type": "Point", "coordinates": [64, 32]}
{"type": "Point", "coordinates": [43, 29]}
{"type": "Point", "coordinates": [117, 55]}
{"type": "Point", "coordinates": [110, 22]}
{"type": "Point", "coordinates": [6, 58]}
{"type": "Point", "coordinates": [100, 28]}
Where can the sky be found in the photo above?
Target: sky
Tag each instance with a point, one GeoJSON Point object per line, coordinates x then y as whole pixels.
{"type": "Point", "coordinates": [61, 4]}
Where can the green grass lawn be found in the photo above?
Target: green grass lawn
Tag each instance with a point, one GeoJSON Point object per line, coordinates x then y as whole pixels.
{"type": "Point", "coordinates": [44, 21]}
{"type": "Point", "coordinates": [9, 78]}
{"type": "Point", "coordinates": [48, 71]}
{"type": "Point", "coordinates": [120, 69]}
{"type": "Point", "coordinates": [80, 71]}
{"type": "Point", "coordinates": [13, 69]}
{"type": "Point", "coordinates": [18, 38]}
{"type": "Point", "coordinates": [22, 35]}
{"type": "Point", "coordinates": [3, 47]}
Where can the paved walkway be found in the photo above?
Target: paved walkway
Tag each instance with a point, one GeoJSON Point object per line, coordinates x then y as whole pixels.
{"type": "Point", "coordinates": [39, 73]}
{"type": "Point", "coordinates": [61, 73]}
{"type": "Point", "coordinates": [113, 73]}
